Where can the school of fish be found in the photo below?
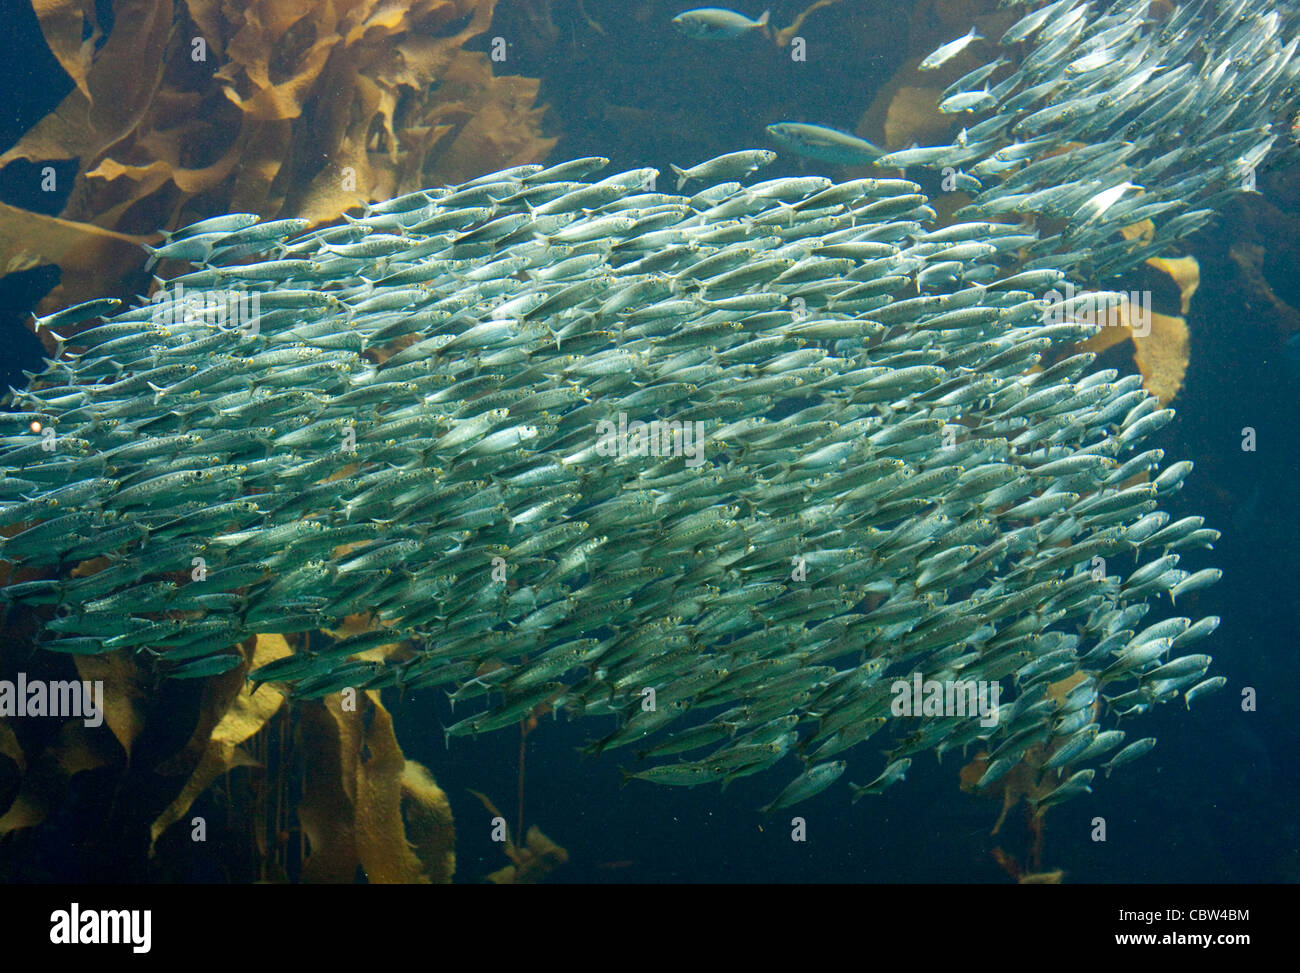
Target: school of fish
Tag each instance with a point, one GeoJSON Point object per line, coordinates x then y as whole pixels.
{"type": "Point", "coordinates": [1101, 116]}
{"type": "Point", "coordinates": [854, 472]}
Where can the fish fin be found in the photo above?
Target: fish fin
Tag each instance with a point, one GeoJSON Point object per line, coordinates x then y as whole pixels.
{"type": "Point", "coordinates": [789, 210]}
{"type": "Point", "coordinates": [762, 21]}
{"type": "Point", "coordinates": [446, 736]}
{"type": "Point", "coordinates": [682, 177]}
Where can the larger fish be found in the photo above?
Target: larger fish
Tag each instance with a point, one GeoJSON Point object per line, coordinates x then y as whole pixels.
{"type": "Point", "coordinates": [717, 23]}
{"type": "Point", "coordinates": [824, 144]}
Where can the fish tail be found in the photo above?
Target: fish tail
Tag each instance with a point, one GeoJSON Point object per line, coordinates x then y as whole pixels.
{"type": "Point", "coordinates": [682, 177]}
{"type": "Point", "coordinates": [763, 19]}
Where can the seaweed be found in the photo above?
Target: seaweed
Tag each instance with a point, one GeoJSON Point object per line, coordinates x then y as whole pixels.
{"type": "Point", "coordinates": [184, 108]}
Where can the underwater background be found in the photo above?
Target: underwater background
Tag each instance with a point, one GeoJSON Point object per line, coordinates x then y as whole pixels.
{"type": "Point", "coordinates": [1215, 802]}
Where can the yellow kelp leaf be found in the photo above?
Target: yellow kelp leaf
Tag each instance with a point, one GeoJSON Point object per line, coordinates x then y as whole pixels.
{"type": "Point", "coordinates": [266, 146]}
{"type": "Point", "coordinates": [904, 111]}
{"type": "Point", "coordinates": [1186, 273]}
{"type": "Point", "coordinates": [503, 125]}
{"type": "Point", "coordinates": [328, 195]}
{"type": "Point", "coordinates": [533, 862]}
{"type": "Point", "coordinates": [63, 23]}
{"type": "Point", "coordinates": [248, 711]}
{"type": "Point", "coordinates": [429, 826]}
{"type": "Point", "coordinates": [912, 116]}
{"type": "Point", "coordinates": [935, 20]}
{"type": "Point", "coordinates": [1250, 280]}
{"type": "Point", "coordinates": [1061, 688]}
{"type": "Point", "coordinates": [329, 741]}
{"type": "Point", "coordinates": [382, 847]}
{"type": "Point", "coordinates": [125, 693]}
{"type": "Point", "coordinates": [1162, 355]}
{"type": "Point", "coordinates": [299, 108]}
{"type": "Point", "coordinates": [1144, 231]}
{"type": "Point", "coordinates": [10, 747]}
{"type": "Point", "coordinates": [218, 693]}
{"type": "Point", "coordinates": [422, 56]}
{"type": "Point", "coordinates": [783, 36]}
{"type": "Point", "coordinates": [906, 108]}
{"type": "Point", "coordinates": [82, 251]}
{"type": "Point", "coordinates": [1116, 326]}
{"type": "Point", "coordinates": [46, 781]}
{"type": "Point", "coordinates": [213, 764]}
{"type": "Point", "coordinates": [207, 16]}
{"type": "Point", "coordinates": [1043, 878]}
{"type": "Point", "coordinates": [120, 84]}
{"type": "Point", "coordinates": [279, 101]}
{"type": "Point", "coordinates": [361, 795]}
{"type": "Point", "coordinates": [1161, 343]}
{"type": "Point", "coordinates": [361, 624]}
{"type": "Point", "coordinates": [137, 181]}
